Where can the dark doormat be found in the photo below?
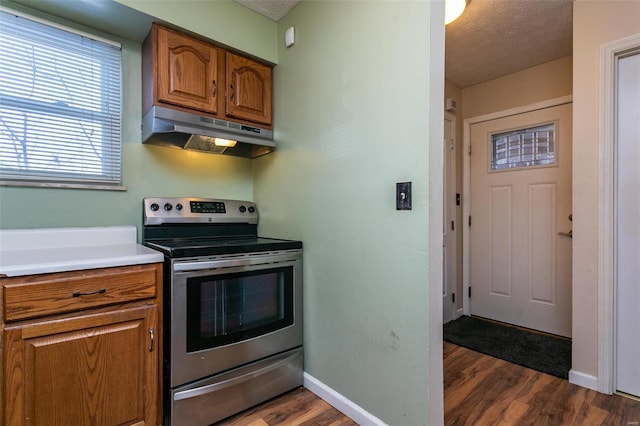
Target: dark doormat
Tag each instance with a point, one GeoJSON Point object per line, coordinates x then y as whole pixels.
{"type": "Point", "coordinates": [551, 355]}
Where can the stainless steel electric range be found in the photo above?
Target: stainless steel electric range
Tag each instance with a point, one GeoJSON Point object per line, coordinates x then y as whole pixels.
{"type": "Point", "coordinates": [232, 310]}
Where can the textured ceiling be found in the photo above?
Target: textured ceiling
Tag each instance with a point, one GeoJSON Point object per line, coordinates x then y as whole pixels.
{"type": "Point", "coordinates": [274, 9]}
{"type": "Point", "coordinates": [493, 38]}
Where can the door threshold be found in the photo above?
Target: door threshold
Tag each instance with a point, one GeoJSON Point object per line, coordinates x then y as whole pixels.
{"type": "Point", "coordinates": [530, 330]}
{"type": "Point", "coordinates": [627, 395]}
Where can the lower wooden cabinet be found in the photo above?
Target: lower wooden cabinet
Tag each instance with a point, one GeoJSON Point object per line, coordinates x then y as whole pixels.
{"type": "Point", "coordinates": [94, 367]}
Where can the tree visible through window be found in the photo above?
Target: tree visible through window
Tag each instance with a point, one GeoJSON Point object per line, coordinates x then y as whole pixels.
{"type": "Point", "coordinates": [60, 102]}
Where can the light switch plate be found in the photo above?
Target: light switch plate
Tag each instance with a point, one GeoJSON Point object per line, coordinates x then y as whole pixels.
{"type": "Point", "coordinates": [403, 196]}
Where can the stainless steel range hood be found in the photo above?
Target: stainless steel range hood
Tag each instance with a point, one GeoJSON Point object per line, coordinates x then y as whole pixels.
{"type": "Point", "coordinates": [178, 129]}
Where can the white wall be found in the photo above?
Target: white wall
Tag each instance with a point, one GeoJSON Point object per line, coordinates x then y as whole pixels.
{"type": "Point", "coordinates": [594, 23]}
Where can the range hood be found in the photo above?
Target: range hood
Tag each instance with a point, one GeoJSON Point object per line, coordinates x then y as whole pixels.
{"type": "Point", "coordinates": [179, 129]}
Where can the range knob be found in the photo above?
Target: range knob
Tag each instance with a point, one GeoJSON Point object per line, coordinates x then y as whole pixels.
{"type": "Point", "coordinates": [154, 207]}
{"type": "Point", "coordinates": [242, 209]}
{"type": "Point", "coordinates": [168, 206]}
{"type": "Point", "coordinates": [178, 206]}
{"type": "Point", "coordinates": [252, 209]}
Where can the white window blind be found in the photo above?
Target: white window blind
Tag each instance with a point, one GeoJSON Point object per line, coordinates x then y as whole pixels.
{"type": "Point", "coordinates": [60, 106]}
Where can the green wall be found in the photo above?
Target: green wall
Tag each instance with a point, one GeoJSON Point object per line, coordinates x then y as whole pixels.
{"type": "Point", "coordinates": [224, 21]}
{"type": "Point", "coordinates": [147, 170]}
{"type": "Point", "coordinates": [352, 114]}
{"type": "Point", "coordinates": [352, 118]}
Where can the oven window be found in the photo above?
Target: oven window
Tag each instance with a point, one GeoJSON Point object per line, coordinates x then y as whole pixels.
{"type": "Point", "coordinates": [224, 309]}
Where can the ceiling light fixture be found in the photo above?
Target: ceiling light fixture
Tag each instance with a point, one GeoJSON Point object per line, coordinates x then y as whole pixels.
{"type": "Point", "coordinates": [453, 9]}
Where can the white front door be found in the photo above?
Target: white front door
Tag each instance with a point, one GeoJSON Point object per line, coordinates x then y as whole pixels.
{"type": "Point", "coordinates": [627, 230]}
{"type": "Point", "coordinates": [520, 247]}
{"type": "Point", "coordinates": [448, 225]}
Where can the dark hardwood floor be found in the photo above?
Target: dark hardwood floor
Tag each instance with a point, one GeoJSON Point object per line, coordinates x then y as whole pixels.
{"type": "Point", "coordinates": [299, 407]}
{"type": "Point", "coordinates": [478, 390]}
{"type": "Point", "coordinates": [481, 390]}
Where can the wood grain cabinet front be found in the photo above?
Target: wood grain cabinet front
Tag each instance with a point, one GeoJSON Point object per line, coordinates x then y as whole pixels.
{"type": "Point", "coordinates": [249, 89]}
{"type": "Point", "coordinates": [48, 294]}
{"type": "Point", "coordinates": [189, 74]}
{"type": "Point", "coordinates": [95, 366]}
{"type": "Point", "coordinates": [187, 71]}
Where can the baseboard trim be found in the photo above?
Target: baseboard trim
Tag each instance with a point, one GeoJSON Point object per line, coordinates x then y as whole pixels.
{"type": "Point", "coordinates": [585, 380]}
{"type": "Point", "coordinates": [340, 402]}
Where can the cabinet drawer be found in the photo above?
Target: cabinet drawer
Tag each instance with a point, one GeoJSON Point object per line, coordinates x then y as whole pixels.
{"type": "Point", "coordinates": [49, 294]}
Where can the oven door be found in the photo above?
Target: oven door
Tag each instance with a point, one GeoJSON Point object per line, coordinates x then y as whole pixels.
{"type": "Point", "coordinates": [231, 310]}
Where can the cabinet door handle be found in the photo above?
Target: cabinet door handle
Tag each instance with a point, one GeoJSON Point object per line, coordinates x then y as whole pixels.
{"type": "Point", "coordinates": [90, 293]}
{"type": "Point", "coordinates": [233, 92]}
{"type": "Point", "coordinates": [151, 335]}
{"type": "Point", "coordinates": [215, 89]}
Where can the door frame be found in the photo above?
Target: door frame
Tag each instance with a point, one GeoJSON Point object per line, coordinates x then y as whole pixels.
{"type": "Point", "coordinates": [609, 52]}
{"type": "Point", "coordinates": [453, 249]}
{"type": "Point", "coordinates": [466, 180]}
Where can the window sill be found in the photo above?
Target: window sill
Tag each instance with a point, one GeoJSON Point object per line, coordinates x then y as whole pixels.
{"type": "Point", "coordinates": [63, 185]}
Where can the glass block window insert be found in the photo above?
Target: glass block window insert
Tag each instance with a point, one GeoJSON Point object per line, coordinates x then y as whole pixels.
{"type": "Point", "coordinates": [524, 148]}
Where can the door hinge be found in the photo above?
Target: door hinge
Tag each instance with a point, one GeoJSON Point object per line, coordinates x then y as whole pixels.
{"type": "Point", "coordinates": [453, 298]}
{"type": "Point", "coordinates": [451, 145]}
{"type": "Point", "coordinates": [469, 221]}
{"type": "Point", "coordinates": [453, 227]}
{"type": "Point", "coordinates": [469, 292]}
{"type": "Point", "coordinates": [469, 149]}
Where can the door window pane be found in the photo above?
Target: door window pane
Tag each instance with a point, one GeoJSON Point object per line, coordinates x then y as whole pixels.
{"type": "Point", "coordinates": [524, 148]}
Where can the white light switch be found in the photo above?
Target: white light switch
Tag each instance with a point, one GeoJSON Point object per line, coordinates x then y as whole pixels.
{"type": "Point", "coordinates": [289, 37]}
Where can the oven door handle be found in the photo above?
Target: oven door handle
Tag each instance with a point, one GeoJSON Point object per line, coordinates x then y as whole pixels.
{"type": "Point", "coordinates": [229, 263]}
{"type": "Point", "coordinates": [203, 390]}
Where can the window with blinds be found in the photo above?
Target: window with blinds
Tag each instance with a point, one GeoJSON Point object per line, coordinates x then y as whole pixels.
{"type": "Point", "coordinates": [60, 103]}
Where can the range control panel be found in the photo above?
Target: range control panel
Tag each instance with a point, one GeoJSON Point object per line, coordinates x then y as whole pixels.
{"type": "Point", "coordinates": [157, 211]}
{"type": "Point", "coordinates": [208, 207]}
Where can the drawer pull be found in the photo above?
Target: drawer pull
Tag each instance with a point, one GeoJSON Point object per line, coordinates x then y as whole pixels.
{"type": "Point", "coordinates": [91, 293]}
{"type": "Point", "coordinates": [151, 335]}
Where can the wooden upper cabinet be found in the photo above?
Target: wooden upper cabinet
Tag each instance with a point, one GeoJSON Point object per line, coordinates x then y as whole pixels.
{"type": "Point", "coordinates": [187, 71]}
{"type": "Point", "coordinates": [188, 74]}
{"type": "Point", "coordinates": [249, 89]}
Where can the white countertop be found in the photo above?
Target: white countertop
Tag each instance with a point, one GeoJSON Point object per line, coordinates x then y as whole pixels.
{"type": "Point", "coordinates": [40, 251]}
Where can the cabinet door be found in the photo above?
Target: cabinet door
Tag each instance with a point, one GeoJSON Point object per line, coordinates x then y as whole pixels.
{"type": "Point", "coordinates": [249, 89]}
{"type": "Point", "coordinates": [98, 369]}
{"type": "Point", "coordinates": [187, 71]}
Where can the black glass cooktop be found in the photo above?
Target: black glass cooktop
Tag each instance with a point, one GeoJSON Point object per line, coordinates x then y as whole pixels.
{"type": "Point", "coordinates": [216, 246]}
